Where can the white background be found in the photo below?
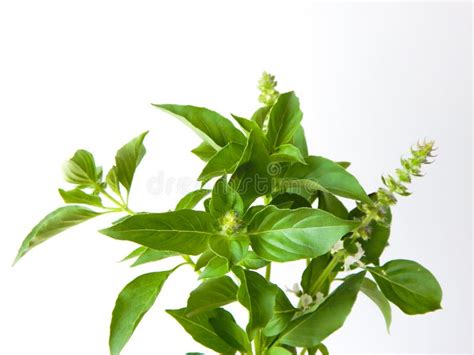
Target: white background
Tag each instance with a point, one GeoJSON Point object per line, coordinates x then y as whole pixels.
{"type": "Point", "coordinates": [372, 78]}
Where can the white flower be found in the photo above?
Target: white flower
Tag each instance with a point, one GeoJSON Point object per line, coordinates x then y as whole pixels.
{"type": "Point", "coordinates": [294, 289]}
{"type": "Point", "coordinates": [306, 300]}
{"type": "Point", "coordinates": [319, 298]}
{"type": "Point", "coordinates": [338, 246]}
{"type": "Point", "coordinates": [354, 259]}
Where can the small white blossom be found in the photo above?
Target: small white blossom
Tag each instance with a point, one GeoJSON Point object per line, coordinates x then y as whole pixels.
{"type": "Point", "coordinates": [294, 289]}
{"type": "Point", "coordinates": [354, 259]}
{"type": "Point", "coordinates": [338, 246]}
{"type": "Point", "coordinates": [306, 300]}
{"type": "Point", "coordinates": [319, 298]}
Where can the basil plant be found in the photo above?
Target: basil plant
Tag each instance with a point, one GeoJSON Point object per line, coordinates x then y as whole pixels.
{"type": "Point", "coordinates": [263, 199]}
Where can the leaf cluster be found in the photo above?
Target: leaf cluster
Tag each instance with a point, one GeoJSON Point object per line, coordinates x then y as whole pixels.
{"type": "Point", "coordinates": [264, 199]}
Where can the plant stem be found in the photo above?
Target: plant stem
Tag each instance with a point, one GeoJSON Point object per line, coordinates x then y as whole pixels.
{"type": "Point", "coordinates": [324, 275]}
{"type": "Point", "coordinates": [268, 272]}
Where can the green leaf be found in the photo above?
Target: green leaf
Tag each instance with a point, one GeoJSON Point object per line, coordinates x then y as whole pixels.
{"type": "Point", "coordinates": [233, 248]}
{"type": "Point", "coordinates": [201, 330]}
{"type": "Point", "coordinates": [253, 261]}
{"type": "Point", "coordinates": [284, 119]}
{"type": "Point", "coordinates": [54, 223]}
{"type": "Point", "coordinates": [213, 128]}
{"type": "Point", "coordinates": [204, 151]}
{"type": "Point", "coordinates": [250, 126]}
{"type": "Point", "coordinates": [128, 158]}
{"type": "Point", "coordinates": [223, 162]}
{"type": "Point", "coordinates": [225, 199]}
{"type": "Point", "coordinates": [78, 196]}
{"type": "Point", "coordinates": [251, 179]}
{"type": "Point", "coordinates": [260, 115]}
{"type": "Point", "coordinates": [313, 271]}
{"type": "Point", "coordinates": [217, 267]}
{"type": "Point", "coordinates": [112, 180]}
{"type": "Point", "coordinates": [278, 351]}
{"type": "Point", "coordinates": [225, 326]}
{"type": "Point", "coordinates": [258, 296]}
{"type": "Point", "coordinates": [151, 255]}
{"type": "Point", "coordinates": [408, 285]}
{"type": "Point", "coordinates": [190, 200]}
{"type": "Point", "coordinates": [81, 170]}
{"type": "Point", "coordinates": [287, 153]}
{"type": "Point", "coordinates": [321, 348]}
{"type": "Point", "coordinates": [283, 313]}
{"type": "Point", "coordinates": [370, 289]}
{"type": "Point", "coordinates": [132, 304]}
{"type": "Point", "coordinates": [135, 253]}
{"type": "Point", "coordinates": [204, 259]}
{"type": "Point", "coordinates": [330, 203]}
{"type": "Point", "coordinates": [289, 200]}
{"type": "Point", "coordinates": [299, 141]}
{"type": "Point", "coordinates": [311, 329]}
{"type": "Point", "coordinates": [183, 231]}
{"type": "Point", "coordinates": [286, 235]}
{"type": "Point", "coordinates": [211, 294]}
{"type": "Point", "coordinates": [323, 174]}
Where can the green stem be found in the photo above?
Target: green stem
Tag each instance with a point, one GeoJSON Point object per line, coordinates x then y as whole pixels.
{"type": "Point", "coordinates": [123, 206]}
{"type": "Point", "coordinates": [324, 275]}
{"type": "Point", "coordinates": [268, 272]}
{"type": "Point", "coordinates": [303, 351]}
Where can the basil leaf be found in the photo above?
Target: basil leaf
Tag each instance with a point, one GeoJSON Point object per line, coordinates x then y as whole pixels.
{"type": "Point", "coordinates": [250, 126]}
{"type": "Point", "coordinates": [282, 315]}
{"type": "Point", "coordinates": [311, 329]}
{"type": "Point", "coordinates": [233, 248]}
{"type": "Point", "coordinates": [128, 158]}
{"type": "Point", "coordinates": [299, 141]}
{"type": "Point", "coordinates": [184, 231]}
{"type": "Point", "coordinates": [258, 296]}
{"type": "Point", "coordinates": [217, 267]}
{"type": "Point", "coordinates": [370, 289]}
{"type": "Point", "coordinates": [204, 151]}
{"type": "Point", "coordinates": [278, 351]}
{"type": "Point", "coordinates": [284, 119]}
{"type": "Point", "coordinates": [287, 153]}
{"type": "Point", "coordinates": [213, 128]}
{"type": "Point", "coordinates": [135, 253]}
{"type": "Point", "coordinates": [321, 348]}
{"type": "Point", "coordinates": [112, 180]}
{"type": "Point", "coordinates": [253, 261]}
{"type": "Point", "coordinates": [313, 271]}
{"type": "Point", "coordinates": [223, 162]}
{"type": "Point", "coordinates": [132, 304]}
{"type": "Point", "coordinates": [408, 285]}
{"type": "Point", "coordinates": [151, 255]}
{"type": "Point", "coordinates": [211, 294]}
{"type": "Point", "coordinates": [286, 235]}
{"type": "Point", "coordinates": [289, 200]}
{"type": "Point", "coordinates": [225, 199]}
{"type": "Point", "coordinates": [190, 200]}
{"type": "Point", "coordinates": [227, 329]}
{"type": "Point", "coordinates": [323, 174]}
{"type": "Point", "coordinates": [78, 196]}
{"type": "Point", "coordinates": [204, 259]}
{"type": "Point", "coordinates": [54, 223]}
{"type": "Point", "coordinates": [81, 170]}
{"type": "Point", "coordinates": [330, 203]}
{"type": "Point", "coordinates": [201, 330]}
{"type": "Point", "coordinates": [251, 179]}
{"type": "Point", "coordinates": [260, 115]}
